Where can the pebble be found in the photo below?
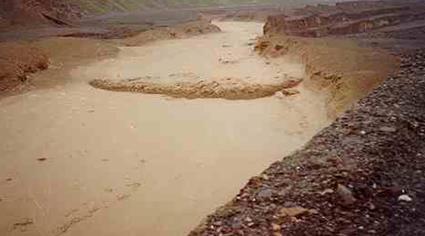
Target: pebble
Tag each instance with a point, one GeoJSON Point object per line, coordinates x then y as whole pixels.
{"type": "Point", "coordinates": [326, 191]}
{"type": "Point", "coordinates": [296, 211]}
{"type": "Point", "coordinates": [275, 227]}
{"type": "Point", "coordinates": [265, 194]}
{"type": "Point", "coordinates": [405, 198]}
{"type": "Point", "coordinates": [371, 206]}
{"type": "Point", "coordinates": [279, 94]}
{"type": "Point", "coordinates": [387, 129]}
{"type": "Point", "coordinates": [345, 194]}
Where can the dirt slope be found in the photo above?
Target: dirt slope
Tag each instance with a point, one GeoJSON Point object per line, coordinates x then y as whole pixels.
{"type": "Point", "coordinates": [340, 67]}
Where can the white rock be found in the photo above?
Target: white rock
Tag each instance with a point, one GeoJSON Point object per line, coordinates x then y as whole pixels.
{"type": "Point", "coordinates": [279, 94]}
{"type": "Point", "coordinates": [405, 198]}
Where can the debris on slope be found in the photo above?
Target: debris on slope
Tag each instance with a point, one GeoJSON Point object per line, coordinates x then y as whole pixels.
{"type": "Point", "coordinates": [357, 177]}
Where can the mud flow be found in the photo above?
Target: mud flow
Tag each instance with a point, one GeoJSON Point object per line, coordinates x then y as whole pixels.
{"type": "Point", "coordinates": [79, 160]}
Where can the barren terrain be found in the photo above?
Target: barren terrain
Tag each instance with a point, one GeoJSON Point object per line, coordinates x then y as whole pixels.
{"type": "Point", "coordinates": [145, 123]}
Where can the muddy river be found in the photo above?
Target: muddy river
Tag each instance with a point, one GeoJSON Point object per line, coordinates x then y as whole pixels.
{"type": "Point", "coordinates": [76, 160]}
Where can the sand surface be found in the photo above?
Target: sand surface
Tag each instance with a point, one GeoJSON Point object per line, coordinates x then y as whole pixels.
{"type": "Point", "coordinates": [76, 160]}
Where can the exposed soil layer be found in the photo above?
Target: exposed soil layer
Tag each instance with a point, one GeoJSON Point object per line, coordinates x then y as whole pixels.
{"type": "Point", "coordinates": [341, 67]}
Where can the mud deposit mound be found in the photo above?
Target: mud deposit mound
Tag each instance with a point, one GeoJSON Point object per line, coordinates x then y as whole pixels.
{"type": "Point", "coordinates": [228, 88]}
{"type": "Point", "coordinates": [17, 60]}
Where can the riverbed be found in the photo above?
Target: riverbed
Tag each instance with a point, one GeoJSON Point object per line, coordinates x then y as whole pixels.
{"type": "Point", "coordinates": [76, 160]}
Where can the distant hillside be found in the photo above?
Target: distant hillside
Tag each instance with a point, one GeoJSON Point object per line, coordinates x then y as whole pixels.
{"type": "Point", "coordinates": [25, 12]}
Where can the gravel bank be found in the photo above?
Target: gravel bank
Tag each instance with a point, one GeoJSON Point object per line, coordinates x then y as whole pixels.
{"type": "Point", "coordinates": [363, 175]}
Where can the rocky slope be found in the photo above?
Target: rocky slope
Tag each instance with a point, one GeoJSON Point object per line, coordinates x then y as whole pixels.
{"type": "Point", "coordinates": [345, 18]}
{"type": "Point", "coordinates": [363, 175]}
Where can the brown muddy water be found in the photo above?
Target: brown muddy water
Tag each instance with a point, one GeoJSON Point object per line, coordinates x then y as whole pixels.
{"type": "Point", "coordinates": [75, 160]}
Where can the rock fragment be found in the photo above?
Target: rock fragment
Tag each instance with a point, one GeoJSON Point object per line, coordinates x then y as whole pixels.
{"type": "Point", "coordinates": [295, 211]}
{"type": "Point", "coordinates": [404, 198]}
{"type": "Point", "coordinates": [345, 194]}
{"type": "Point", "coordinates": [388, 129]}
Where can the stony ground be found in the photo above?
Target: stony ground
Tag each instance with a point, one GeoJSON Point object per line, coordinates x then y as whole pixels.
{"type": "Point", "coordinates": [363, 175]}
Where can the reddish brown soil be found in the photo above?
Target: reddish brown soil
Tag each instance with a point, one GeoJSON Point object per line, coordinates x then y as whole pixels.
{"type": "Point", "coordinates": [17, 60]}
